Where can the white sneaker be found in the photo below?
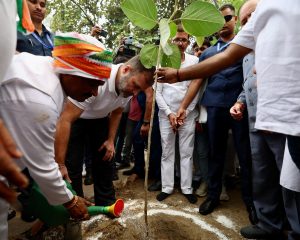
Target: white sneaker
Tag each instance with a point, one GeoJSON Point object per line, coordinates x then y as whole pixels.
{"type": "Point", "coordinates": [202, 190]}
{"type": "Point", "coordinates": [224, 196]}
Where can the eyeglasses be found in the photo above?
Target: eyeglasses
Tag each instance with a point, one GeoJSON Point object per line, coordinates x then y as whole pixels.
{"type": "Point", "coordinates": [228, 18]}
{"type": "Point", "coordinates": [199, 49]}
{"type": "Point", "coordinates": [182, 40]}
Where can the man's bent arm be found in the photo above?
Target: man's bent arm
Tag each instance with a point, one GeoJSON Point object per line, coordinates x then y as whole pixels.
{"type": "Point", "coordinates": [191, 93]}
{"type": "Point", "coordinates": [63, 129]}
{"type": "Point", "coordinates": [108, 145]}
{"type": "Point", "coordinates": [114, 121]}
{"type": "Point", "coordinates": [149, 98]}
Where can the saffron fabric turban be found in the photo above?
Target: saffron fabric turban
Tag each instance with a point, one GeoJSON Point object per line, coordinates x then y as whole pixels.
{"type": "Point", "coordinates": [81, 55]}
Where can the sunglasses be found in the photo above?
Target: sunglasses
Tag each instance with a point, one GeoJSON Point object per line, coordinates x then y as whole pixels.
{"type": "Point", "coordinates": [228, 18]}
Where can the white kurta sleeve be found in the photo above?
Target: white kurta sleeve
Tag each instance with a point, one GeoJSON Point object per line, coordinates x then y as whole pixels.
{"type": "Point", "coordinates": [161, 103]}
{"type": "Point", "coordinates": [33, 125]}
{"type": "Point", "coordinates": [245, 37]}
{"type": "Point", "coordinates": [82, 105]}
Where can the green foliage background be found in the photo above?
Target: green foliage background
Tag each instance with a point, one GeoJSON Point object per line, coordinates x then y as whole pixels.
{"type": "Point", "coordinates": [81, 15]}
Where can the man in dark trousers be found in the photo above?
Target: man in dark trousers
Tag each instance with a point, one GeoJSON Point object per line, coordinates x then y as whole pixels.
{"type": "Point", "coordinates": [221, 92]}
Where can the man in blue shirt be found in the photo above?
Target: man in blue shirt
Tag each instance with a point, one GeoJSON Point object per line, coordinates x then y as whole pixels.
{"type": "Point", "coordinates": [40, 42]}
{"type": "Point", "coordinates": [221, 92]}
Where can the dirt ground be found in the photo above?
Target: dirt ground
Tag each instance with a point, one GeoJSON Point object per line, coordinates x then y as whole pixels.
{"type": "Point", "coordinates": [173, 219]}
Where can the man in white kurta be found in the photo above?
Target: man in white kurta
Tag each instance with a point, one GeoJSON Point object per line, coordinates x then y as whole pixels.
{"type": "Point", "coordinates": [30, 110]}
{"type": "Point", "coordinates": [32, 95]}
{"type": "Point", "coordinates": [169, 98]}
{"type": "Point", "coordinates": [8, 37]}
{"type": "Point", "coordinates": [278, 86]}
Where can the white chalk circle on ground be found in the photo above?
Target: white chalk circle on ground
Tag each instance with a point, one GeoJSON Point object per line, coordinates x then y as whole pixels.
{"type": "Point", "coordinates": [134, 211]}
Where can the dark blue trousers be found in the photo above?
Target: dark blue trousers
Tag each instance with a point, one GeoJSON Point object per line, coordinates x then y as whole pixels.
{"type": "Point", "coordinates": [219, 122]}
{"type": "Point", "coordinates": [97, 132]}
{"type": "Point", "coordinates": [139, 144]}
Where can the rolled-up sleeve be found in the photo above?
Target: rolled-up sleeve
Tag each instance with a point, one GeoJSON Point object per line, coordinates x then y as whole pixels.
{"type": "Point", "coordinates": [245, 37]}
{"type": "Point", "coordinates": [82, 105]}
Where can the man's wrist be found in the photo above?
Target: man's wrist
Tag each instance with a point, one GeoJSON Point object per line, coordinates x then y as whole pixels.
{"type": "Point", "coordinates": [61, 165]}
{"type": "Point", "coordinates": [69, 205]}
{"type": "Point", "coordinates": [110, 140]}
{"type": "Point", "coordinates": [146, 122]}
{"type": "Point", "coordinates": [241, 105]}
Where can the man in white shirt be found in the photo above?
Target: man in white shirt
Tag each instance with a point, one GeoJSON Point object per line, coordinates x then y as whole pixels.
{"type": "Point", "coordinates": [169, 98]}
{"type": "Point", "coordinates": [278, 71]}
{"type": "Point", "coordinates": [8, 148]}
{"type": "Point", "coordinates": [31, 103]}
{"type": "Point", "coordinates": [267, 151]}
{"type": "Point", "coordinates": [98, 119]}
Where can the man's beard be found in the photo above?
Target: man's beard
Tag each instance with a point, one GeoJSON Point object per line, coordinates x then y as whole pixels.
{"type": "Point", "coordinates": [123, 82]}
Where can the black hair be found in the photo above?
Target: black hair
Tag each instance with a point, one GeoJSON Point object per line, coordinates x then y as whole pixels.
{"type": "Point", "coordinates": [120, 59]}
{"type": "Point", "coordinates": [227, 5]}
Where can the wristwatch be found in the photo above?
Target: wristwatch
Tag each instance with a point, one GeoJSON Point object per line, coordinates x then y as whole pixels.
{"type": "Point", "coordinates": [145, 122]}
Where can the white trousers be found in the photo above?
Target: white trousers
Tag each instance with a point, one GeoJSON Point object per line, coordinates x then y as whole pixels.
{"type": "Point", "coordinates": [186, 134]}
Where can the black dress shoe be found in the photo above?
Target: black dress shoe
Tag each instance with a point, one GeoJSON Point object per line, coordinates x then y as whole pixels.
{"type": "Point", "coordinates": [208, 206]}
{"type": "Point", "coordinates": [252, 215]}
{"type": "Point", "coordinates": [155, 186]}
{"type": "Point", "coordinates": [255, 232]}
{"type": "Point", "coordinates": [162, 196]}
{"type": "Point", "coordinates": [191, 198]}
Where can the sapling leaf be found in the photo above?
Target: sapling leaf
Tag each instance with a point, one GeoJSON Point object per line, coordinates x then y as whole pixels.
{"type": "Point", "coordinates": [149, 55]}
{"type": "Point", "coordinates": [164, 36]}
{"type": "Point", "coordinates": [142, 13]}
{"type": "Point", "coordinates": [173, 60]}
{"type": "Point", "coordinates": [173, 29]}
{"type": "Point", "coordinates": [201, 19]}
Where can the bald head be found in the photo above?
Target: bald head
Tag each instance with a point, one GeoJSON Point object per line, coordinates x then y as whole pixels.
{"type": "Point", "coordinates": [246, 10]}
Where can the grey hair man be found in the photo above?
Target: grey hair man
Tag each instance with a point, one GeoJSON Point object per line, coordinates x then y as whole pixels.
{"type": "Point", "coordinates": [97, 120]}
